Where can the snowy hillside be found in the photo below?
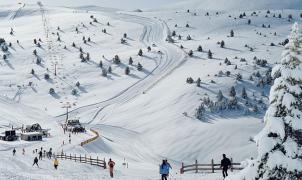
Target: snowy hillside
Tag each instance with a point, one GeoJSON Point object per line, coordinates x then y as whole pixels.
{"type": "Point", "coordinates": [215, 56]}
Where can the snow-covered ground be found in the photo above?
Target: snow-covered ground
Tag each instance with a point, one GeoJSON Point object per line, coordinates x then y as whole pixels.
{"type": "Point", "coordinates": [139, 116]}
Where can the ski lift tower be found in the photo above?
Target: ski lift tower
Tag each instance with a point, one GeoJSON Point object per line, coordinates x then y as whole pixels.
{"type": "Point", "coordinates": [67, 105]}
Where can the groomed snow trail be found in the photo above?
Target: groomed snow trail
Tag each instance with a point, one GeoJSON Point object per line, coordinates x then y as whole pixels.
{"type": "Point", "coordinates": [170, 57]}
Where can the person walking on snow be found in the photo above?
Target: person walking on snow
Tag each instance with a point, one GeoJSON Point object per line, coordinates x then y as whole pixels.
{"type": "Point", "coordinates": [164, 169]}
{"type": "Point", "coordinates": [111, 165]}
{"type": "Point", "coordinates": [23, 151]}
{"type": "Point", "coordinates": [14, 151]}
{"type": "Point", "coordinates": [40, 155]}
{"type": "Point", "coordinates": [36, 161]}
{"type": "Point", "coordinates": [56, 163]}
{"type": "Point", "coordinates": [225, 164]}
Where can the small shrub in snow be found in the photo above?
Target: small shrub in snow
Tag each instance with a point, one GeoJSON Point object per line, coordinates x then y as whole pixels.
{"type": "Point", "coordinates": [198, 81]}
{"type": "Point", "coordinates": [52, 91]}
{"type": "Point", "coordinates": [139, 67]}
{"type": "Point", "coordinates": [210, 54]}
{"type": "Point", "coordinates": [127, 70]}
{"type": "Point", "coordinates": [140, 52]}
{"type": "Point", "coordinates": [46, 76]}
{"type": "Point", "coordinates": [190, 53]}
{"type": "Point", "coordinates": [190, 80]}
{"type": "Point", "coordinates": [130, 61]}
{"type": "Point", "coordinates": [232, 91]}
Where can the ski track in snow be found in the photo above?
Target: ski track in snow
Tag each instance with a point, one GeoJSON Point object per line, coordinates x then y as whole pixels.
{"type": "Point", "coordinates": [154, 32]}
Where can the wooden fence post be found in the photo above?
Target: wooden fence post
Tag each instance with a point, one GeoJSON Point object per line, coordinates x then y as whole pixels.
{"type": "Point", "coordinates": [196, 166]}
{"type": "Point", "coordinates": [65, 156]}
{"type": "Point", "coordinates": [90, 160]}
{"type": "Point", "coordinates": [97, 160]}
{"type": "Point", "coordinates": [182, 168]}
{"type": "Point", "coordinates": [85, 159]}
{"type": "Point", "coordinates": [212, 163]}
{"type": "Point", "coordinates": [80, 158]}
{"type": "Point", "coordinates": [69, 156]}
{"type": "Point", "coordinates": [231, 164]}
{"type": "Point", "coordinates": [104, 164]}
{"type": "Point", "coordinates": [75, 158]}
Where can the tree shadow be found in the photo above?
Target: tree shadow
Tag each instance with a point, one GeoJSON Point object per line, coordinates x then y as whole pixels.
{"type": "Point", "coordinates": [36, 76]}
{"type": "Point", "coordinates": [50, 80]}
{"type": "Point", "coordinates": [134, 76]}
{"type": "Point", "coordinates": [114, 74]}
{"type": "Point", "coordinates": [83, 89]}
{"type": "Point", "coordinates": [232, 49]}
{"type": "Point", "coordinates": [34, 89]}
{"type": "Point", "coordinates": [21, 46]}
{"type": "Point", "coordinates": [9, 64]}
{"type": "Point", "coordinates": [55, 95]}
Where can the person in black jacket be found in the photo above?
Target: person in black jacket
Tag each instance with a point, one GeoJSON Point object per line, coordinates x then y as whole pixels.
{"type": "Point", "coordinates": [36, 161]}
{"type": "Point", "coordinates": [225, 164]}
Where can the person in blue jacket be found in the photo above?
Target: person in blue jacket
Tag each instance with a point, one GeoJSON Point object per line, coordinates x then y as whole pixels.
{"type": "Point", "coordinates": [164, 169]}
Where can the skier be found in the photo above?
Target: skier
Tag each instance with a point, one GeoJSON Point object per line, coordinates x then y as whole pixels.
{"type": "Point", "coordinates": [164, 169]}
{"type": "Point", "coordinates": [225, 163]}
{"type": "Point", "coordinates": [36, 161]}
{"type": "Point", "coordinates": [23, 151]}
{"type": "Point", "coordinates": [56, 163]}
{"type": "Point", "coordinates": [40, 155]}
{"type": "Point", "coordinates": [14, 151]}
{"type": "Point", "coordinates": [49, 154]}
{"type": "Point", "coordinates": [111, 165]}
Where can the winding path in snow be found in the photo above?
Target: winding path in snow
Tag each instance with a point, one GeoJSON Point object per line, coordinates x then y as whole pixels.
{"type": "Point", "coordinates": [155, 31]}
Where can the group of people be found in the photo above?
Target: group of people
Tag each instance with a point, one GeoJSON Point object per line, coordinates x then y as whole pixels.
{"type": "Point", "coordinates": [49, 155]}
{"type": "Point", "coordinates": [164, 168]}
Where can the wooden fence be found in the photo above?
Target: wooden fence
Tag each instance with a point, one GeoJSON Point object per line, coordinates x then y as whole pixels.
{"type": "Point", "coordinates": [91, 139]}
{"type": "Point", "coordinates": [83, 159]}
{"type": "Point", "coordinates": [207, 167]}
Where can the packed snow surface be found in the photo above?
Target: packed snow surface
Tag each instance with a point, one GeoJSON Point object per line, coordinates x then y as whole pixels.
{"type": "Point", "coordinates": [145, 116]}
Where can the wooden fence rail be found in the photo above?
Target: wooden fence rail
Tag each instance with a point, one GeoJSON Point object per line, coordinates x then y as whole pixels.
{"type": "Point", "coordinates": [83, 159]}
{"type": "Point", "coordinates": [91, 139]}
{"type": "Point", "coordinates": [207, 167]}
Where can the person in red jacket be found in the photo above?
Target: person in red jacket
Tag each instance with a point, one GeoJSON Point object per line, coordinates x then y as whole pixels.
{"type": "Point", "coordinates": [111, 165]}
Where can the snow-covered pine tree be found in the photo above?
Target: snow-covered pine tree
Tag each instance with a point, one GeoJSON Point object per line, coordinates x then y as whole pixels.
{"type": "Point", "coordinates": [280, 143]}
{"type": "Point", "coordinates": [200, 112]}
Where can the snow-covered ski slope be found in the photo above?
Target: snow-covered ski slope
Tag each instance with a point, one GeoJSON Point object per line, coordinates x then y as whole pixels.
{"type": "Point", "coordinates": [140, 115]}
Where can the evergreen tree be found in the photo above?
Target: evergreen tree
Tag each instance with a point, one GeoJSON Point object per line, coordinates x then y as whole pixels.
{"type": "Point", "coordinates": [200, 112]}
{"type": "Point", "coordinates": [139, 67]}
{"type": "Point", "coordinates": [140, 52]}
{"type": "Point", "coordinates": [232, 92]}
{"type": "Point", "coordinates": [127, 70]}
{"type": "Point", "coordinates": [210, 54]}
{"type": "Point", "coordinates": [109, 69]}
{"type": "Point", "coordinates": [279, 143]}
{"type": "Point", "coordinates": [116, 59]}
{"type": "Point", "coordinates": [222, 44]}
{"type": "Point", "coordinates": [190, 53]}
{"type": "Point", "coordinates": [130, 61]}
{"type": "Point", "coordinates": [243, 93]}
{"type": "Point", "coordinates": [101, 64]}
{"type": "Point", "coordinates": [199, 49]}
{"type": "Point", "coordinates": [220, 96]}
{"type": "Point", "coordinates": [232, 33]}
{"type": "Point", "coordinates": [198, 81]}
